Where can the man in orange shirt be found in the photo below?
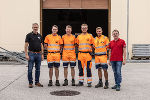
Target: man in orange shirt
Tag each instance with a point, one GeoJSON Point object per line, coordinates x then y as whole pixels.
{"type": "Point", "coordinates": [84, 42]}
{"type": "Point", "coordinates": [101, 43]}
{"type": "Point", "coordinates": [69, 55]}
{"type": "Point", "coordinates": [53, 43]}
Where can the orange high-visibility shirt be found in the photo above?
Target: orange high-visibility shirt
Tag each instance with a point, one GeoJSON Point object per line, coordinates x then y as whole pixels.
{"type": "Point", "coordinates": [53, 42]}
{"type": "Point", "coordinates": [69, 43]}
{"type": "Point", "coordinates": [101, 44]}
{"type": "Point", "coordinates": [85, 41]}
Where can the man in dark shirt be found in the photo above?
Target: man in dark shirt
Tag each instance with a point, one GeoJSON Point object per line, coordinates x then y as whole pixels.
{"type": "Point", "coordinates": [117, 55]}
{"type": "Point", "coordinates": [34, 54]}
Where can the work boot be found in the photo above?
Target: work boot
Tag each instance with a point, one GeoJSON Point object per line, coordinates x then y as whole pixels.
{"type": "Point", "coordinates": [89, 85]}
{"type": "Point", "coordinates": [57, 83]}
{"type": "Point", "coordinates": [30, 86]}
{"type": "Point", "coordinates": [38, 84]}
{"type": "Point", "coordinates": [114, 87]}
{"type": "Point", "coordinates": [100, 84]}
{"type": "Point", "coordinates": [117, 88]}
{"type": "Point", "coordinates": [79, 84]}
{"type": "Point", "coordinates": [65, 82]}
{"type": "Point", "coordinates": [73, 82]}
{"type": "Point", "coordinates": [106, 85]}
{"type": "Point", "coordinates": [50, 83]}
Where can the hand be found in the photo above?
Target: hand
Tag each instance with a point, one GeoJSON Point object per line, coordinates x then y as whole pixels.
{"type": "Point", "coordinates": [42, 57]}
{"type": "Point", "coordinates": [124, 62]}
{"type": "Point", "coordinates": [27, 57]}
{"type": "Point", "coordinates": [109, 63]}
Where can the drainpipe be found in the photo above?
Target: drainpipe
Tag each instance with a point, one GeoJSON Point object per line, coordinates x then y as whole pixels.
{"type": "Point", "coordinates": [127, 29]}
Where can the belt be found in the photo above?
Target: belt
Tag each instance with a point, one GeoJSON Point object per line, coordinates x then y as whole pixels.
{"type": "Point", "coordinates": [34, 52]}
{"type": "Point", "coordinates": [84, 52]}
{"type": "Point", "coordinates": [100, 54]}
{"type": "Point", "coordinates": [54, 52]}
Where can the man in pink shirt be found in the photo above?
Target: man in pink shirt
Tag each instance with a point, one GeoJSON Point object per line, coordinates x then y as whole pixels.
{"type": "Point", "coordinates": [117, 57]}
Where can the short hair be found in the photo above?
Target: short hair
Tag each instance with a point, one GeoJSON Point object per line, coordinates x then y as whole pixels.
{"type": "Point", "coordinates": [55, 26]}
{"type": "Point", "coordinates": [69, 26]}
{"type": "Point", "coordinates": [99, 28]}
{"type": "Point", "coordinates": [35, 24]}
{"type": "Point", "coordinates": [116, 31]}
{"type": "Point", "coordinates": [84, 25]}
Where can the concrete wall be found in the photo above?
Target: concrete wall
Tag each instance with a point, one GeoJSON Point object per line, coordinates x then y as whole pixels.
{"type": "Point", "coordinates": [16, 21]}
{"type": "Point", "coordinates": [139, 21]}
{"type": "Point", "coordinates": [17, 17]}
{"type": "Point", "coordinates": [119, 17]}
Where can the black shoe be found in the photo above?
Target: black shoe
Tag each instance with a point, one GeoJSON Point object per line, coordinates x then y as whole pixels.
{"type": "Point", "coordinates": [65, 82]}
{"type": "Point", "coordinates": [50, 83]}
{"type": "Point", "coordinates": [100, 84]}
{"type": "Point", "coordinates": [114, 87]}
{"type": "Point", "coordinates": [117, 88]}
{"type": "Point", "coordinates": [57, 83]}
{"type": "Point", "coordinates": [106, 85]}
{"type": "Point", "coordinates": [89, 85]}
{"type": "Point", "coordinates": [73, 82]}
{"type": "Point", "coordinates": [79, 84]}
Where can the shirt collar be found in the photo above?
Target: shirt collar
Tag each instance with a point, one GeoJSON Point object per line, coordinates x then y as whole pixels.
{"type": "Point", "coordinates": [68, 35]}
{"type": "Point", "coordinates": [117, 40]}
{"type": "Point", "coordinates": [100, 36]}
{"type": "Point", "coordinates": [54, 35]}
{"type": "Point", "coordinates": [34, 33]}
{"type": "Point", "coordinates": [85, 34]}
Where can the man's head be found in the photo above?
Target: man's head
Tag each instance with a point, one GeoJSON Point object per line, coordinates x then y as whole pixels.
{"type": "Point", "coordinates": [115, 34]}
{"type": "Point", "coordinates": [54, 29]}
{"type": "Point", "coordinates": [68, 29]}
{"type": "Point", "coordinates": [84, 28]}
{"type": "Point", "coordinates": [99, 31]}
{"type": "Point", "coordinates": [35, 27]}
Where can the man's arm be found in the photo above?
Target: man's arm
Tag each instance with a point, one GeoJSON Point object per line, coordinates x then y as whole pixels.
{"type": "Point", "coordinates": [109, 55]}
{"type": "Point", "coordinates": [45, 46]}
{"type": "Point", "coordinates": [42, 51]}
{"type": "Point", "coordinates": [61, 47]}
{"type": "Point", "coordinates": [124, 55]}
{"type": "Point", "coordinates": [26, 50]}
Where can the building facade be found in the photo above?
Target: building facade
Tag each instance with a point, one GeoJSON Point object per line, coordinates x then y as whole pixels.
{"type": "Point", "coordinates": [130, 17]}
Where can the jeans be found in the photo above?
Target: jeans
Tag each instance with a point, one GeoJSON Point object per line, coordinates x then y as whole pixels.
{"type": "Point", "coordinates": [116, 66]}
{"type": "Point", "coordinates": [34, 58]}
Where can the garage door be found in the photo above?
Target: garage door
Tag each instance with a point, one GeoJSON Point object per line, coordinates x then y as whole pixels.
{"type": "Point", "coordinates": [75, 4]}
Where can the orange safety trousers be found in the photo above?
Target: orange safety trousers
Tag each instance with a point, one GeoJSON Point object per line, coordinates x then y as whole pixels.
{"type": "Point", "coordinates": [84, 59]}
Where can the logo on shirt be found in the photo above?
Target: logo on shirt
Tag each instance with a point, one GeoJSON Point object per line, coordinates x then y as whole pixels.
{"type": "Point", "coordinates": [56, 41]}
{"type": "Point", "coordinates": [39, 38]}
{"type": "Point", "coordinates": [72, 41]}
{"type": "Point", "coordinates": [87, 39]}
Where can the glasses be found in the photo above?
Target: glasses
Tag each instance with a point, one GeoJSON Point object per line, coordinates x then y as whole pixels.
{"type": "Point", "coordinates": [83, 28]}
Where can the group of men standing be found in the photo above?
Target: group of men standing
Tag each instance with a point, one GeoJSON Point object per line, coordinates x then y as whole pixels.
{"type": "Point", "coordinates": [85, 44]}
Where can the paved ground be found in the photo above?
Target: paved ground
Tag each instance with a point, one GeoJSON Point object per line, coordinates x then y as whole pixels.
{"type": "Point", "coordinates": [135, 85]}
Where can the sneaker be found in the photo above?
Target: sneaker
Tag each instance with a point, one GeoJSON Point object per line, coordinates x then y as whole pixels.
{"type": "Point", "coordinates": [73, 82]}
{"type": "Point", "coordinates": [106, 85]}
{"type": "Point", "coordinates": [30, 86]}
{"type": "Point", "coordinates": [100, 84]}
{"type": "Point", "coordinates": [57, 83]}
{"type": "Point", "coordinates": [65, 82]}
{"type": "Point", "coordinates": [114, 87]}
{"type": "Point", "coordinates": [38, 84]}
{"type": "Point", "coordinates": [50, 83]}
{"type": "Point", "coordinates": [117, 88]}
{"type": "Point", "coordinates": [89, 85]}
{"type": "Point", "coordinates": [79, 84]}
